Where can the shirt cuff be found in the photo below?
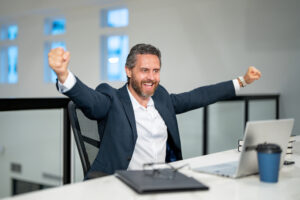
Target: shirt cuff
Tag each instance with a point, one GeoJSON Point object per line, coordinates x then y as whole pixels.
{"type": "Point", "coordinates": [68, 84]}
{"type": "Point", "coordinates": [236, 84]}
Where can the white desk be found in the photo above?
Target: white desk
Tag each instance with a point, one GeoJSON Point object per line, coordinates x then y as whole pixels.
{"type": "Point", "coordinates": [249, 187]}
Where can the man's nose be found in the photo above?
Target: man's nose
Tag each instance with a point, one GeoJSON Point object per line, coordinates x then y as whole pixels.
{"type": "Point", "coordinates": [151, 75]}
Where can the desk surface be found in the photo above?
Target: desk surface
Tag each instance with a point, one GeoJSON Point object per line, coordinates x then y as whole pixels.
{"type": "Point", "coordinates": [249, 187]}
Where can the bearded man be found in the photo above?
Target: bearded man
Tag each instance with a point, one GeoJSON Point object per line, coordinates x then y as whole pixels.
{"type": "Point", "coordinates": [137, 123]}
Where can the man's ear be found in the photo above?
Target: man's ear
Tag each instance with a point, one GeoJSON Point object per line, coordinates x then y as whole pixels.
{"type": "Point", "coordinates": [128, 71]}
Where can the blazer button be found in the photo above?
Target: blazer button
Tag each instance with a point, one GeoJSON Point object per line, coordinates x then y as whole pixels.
{"type": "Point", "coordinates": [128, 158]}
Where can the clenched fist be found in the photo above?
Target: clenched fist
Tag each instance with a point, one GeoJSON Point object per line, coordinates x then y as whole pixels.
{"type": "Point", "coordinates": [252, 74]}
{"type": "Point", "coordinates": [58, 60]}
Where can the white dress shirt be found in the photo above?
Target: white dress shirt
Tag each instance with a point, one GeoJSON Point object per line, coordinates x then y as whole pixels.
{"type": "Point", "coordinates": [152, 135]}
{"type": "Point", "coordinates": [152, 132]}
{"type": "Point", "coordinates": [68, 84]}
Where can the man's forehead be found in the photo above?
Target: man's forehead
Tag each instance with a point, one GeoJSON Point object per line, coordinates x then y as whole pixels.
{"type": "Point", "coordinates": [146, 55]}
{"type": "Point", "coordinates": [147, 59]}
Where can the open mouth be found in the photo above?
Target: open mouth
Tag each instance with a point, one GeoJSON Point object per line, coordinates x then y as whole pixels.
{"type": "Point", "coordinates": [148, 85]}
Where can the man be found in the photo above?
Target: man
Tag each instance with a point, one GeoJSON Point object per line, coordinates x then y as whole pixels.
{"type": "Point", "coordinates": [137, 123]}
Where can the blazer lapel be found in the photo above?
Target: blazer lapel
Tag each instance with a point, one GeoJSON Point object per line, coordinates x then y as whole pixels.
{"type": "Point", "coordinates": [127, 105]}
{"type": "Point", "coordinates": [168, 117]}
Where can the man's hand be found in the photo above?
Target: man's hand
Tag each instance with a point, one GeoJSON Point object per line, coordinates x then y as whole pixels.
{"type": "Point", "coordinates": [252, 74]}
{"type": "Point", "coordinates": [58, 60]}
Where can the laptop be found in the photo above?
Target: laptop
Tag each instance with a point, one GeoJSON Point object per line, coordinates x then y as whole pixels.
{"type": "Point", "coordinates": [256, 132]}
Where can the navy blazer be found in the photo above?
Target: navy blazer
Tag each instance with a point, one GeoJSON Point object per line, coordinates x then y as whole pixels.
{"type": "Point", "coordinates": [113, 110]}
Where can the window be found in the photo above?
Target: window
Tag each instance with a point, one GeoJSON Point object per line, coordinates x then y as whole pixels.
{"type": "Point", "coordinates": [9, 54]}
{"type": "Point", "coordinates": [115, 50]}
{"type": "Point", "coordinates": [49, 74]}
{"type": "Point", "coordinates": [115, 17]}
{"type": "Point", "coordinates": [55, 26]}
{"type": "Point", "coordinates": [9, 63]}
{"type": "Point", "coordinates": [114, 47]}
{"type": "Point", "coordinates": [52, 28]}
{"type": "Point", "coordinates": [9, 32]}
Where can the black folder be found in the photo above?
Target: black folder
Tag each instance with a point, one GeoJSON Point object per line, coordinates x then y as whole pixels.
{"type": "Point", "coordinates": [166, 180]}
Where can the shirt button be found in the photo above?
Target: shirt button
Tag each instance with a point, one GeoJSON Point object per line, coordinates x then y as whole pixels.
{"type": "Point", "coordinates": [128, 158]}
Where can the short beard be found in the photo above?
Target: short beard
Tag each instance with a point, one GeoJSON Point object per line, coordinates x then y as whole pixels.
{"type": "Point", "coordinates": [138, 90]}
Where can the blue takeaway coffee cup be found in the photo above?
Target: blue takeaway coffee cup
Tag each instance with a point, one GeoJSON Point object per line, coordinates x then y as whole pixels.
{"type": "Point", "coordinates": [268, 161]}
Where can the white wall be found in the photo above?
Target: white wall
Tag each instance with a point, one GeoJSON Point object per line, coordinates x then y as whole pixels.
{"type": "Point", "coordinates": [202, 42]}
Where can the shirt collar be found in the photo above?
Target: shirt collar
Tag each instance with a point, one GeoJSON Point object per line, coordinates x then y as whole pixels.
{"type": "Point", "coordinates": [136, 104]}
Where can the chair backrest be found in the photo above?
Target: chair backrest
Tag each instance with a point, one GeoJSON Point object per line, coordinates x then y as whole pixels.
{"type": "Point", "coordinates": [86, 136]}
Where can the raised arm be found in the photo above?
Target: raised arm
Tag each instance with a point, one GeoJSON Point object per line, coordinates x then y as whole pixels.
{"type": "Point", "coordinates": [94, 103]}
{"type": "Point", "coordinates": [206, 95]}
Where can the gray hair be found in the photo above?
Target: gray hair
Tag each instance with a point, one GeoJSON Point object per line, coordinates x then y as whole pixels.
{"type": "Point", "coordinates": [141, 49]}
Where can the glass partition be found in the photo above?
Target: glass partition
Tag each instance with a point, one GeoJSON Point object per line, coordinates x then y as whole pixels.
{"type": "Point", "coordinates": [225, 125]}
{"type": "Point", "coordinates": [191, 133]}
{"type": "Point", "coordinates": [31, 154]}
{"type": "Point", "coordinates": [262, 109]}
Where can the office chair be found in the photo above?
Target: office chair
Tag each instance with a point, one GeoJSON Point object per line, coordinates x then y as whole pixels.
{"type": "Point", "coordinates": [86, 136]}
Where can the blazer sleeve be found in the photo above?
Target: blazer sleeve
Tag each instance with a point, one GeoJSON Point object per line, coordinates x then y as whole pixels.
{"type": "Point", "coordinates": [202, 96]}
{"type": "Point", "coordinates": [94, 103]}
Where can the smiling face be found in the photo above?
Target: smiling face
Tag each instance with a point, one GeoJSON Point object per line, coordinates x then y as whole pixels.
{"type": "Point", "coordinates": [144, 76]}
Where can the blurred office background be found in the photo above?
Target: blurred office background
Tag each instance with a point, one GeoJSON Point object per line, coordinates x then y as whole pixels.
{"type": "Point", "coordinates": [202, 42]}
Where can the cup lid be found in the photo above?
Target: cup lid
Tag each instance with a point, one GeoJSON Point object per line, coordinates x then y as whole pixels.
{"type": "Point", "coordinates": [268, 148]}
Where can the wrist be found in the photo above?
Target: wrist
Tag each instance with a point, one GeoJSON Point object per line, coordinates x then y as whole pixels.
{"type": "Point", "coordinates": [63, 76]}
{"type": "Point", "coordinates": [242, 81]}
